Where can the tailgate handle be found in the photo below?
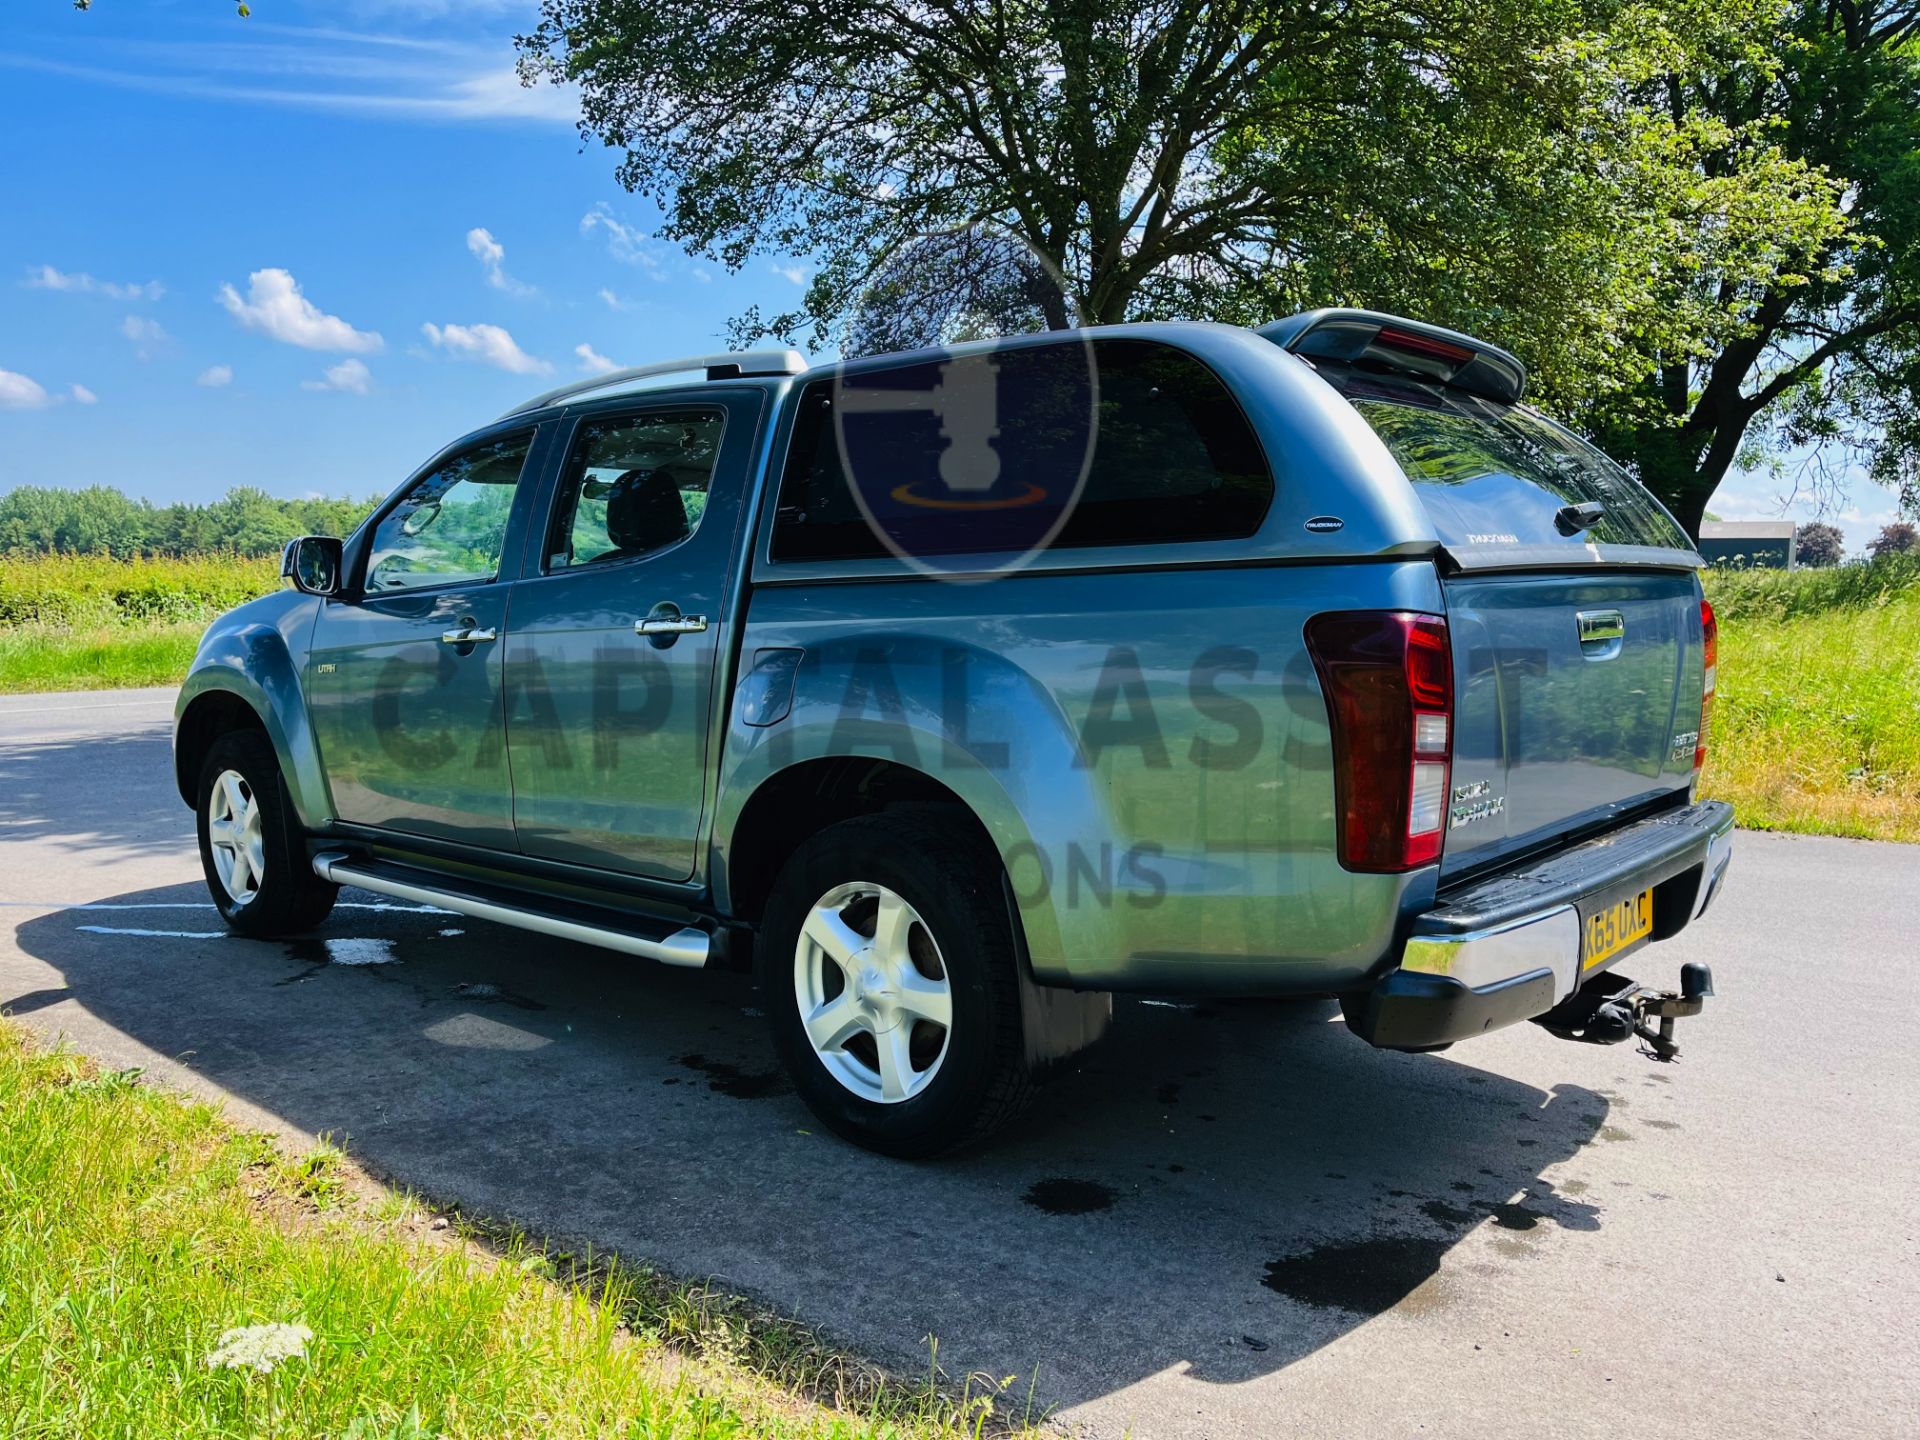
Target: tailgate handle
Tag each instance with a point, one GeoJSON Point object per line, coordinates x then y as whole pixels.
{"type": "Point", "coordinates": [1601, 632]}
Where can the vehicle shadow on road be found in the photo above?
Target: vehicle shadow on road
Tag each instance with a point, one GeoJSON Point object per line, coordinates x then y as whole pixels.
{"type": "Point", "coordinates": [113, 814]}
{"type": "Point", "coordinates": [1221, 1189]}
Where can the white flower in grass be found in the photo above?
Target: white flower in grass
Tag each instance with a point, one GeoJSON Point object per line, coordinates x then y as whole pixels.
{"type": "Point", "coordinates": [259, 1347]}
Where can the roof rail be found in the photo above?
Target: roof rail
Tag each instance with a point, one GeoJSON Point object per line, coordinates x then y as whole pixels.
{"type": "Point", "coordinates": [1402, 344]}
{"type": "Point", "coordinates": [728, 365]}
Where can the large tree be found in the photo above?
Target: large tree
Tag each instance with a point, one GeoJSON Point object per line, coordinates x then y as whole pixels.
{"type": "Point", "coordinates": [1813, 352]}
{"type": "Point", "coordinates": [1495, 163]}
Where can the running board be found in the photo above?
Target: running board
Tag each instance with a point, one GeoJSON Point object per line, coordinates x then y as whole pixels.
{"type": "Point", "coordinates": [686, 947]}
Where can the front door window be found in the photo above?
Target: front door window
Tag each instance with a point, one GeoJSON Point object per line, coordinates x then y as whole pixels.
{"type": "Point", "coordinates": [450, 527]}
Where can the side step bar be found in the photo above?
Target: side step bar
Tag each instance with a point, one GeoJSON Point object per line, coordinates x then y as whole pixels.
{"type": "Point", "coordinates": [686, 947]}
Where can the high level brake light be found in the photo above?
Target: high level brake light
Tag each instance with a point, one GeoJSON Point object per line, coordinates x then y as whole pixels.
{"type": "Point", "coordinates": [1710, 642]}
{"type": "Point", "coordinates": [1388, 676]}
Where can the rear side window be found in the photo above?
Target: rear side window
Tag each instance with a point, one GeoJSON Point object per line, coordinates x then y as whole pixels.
{"type": "Point", "coordinates": [1494, 476]}
{"type": "Point", "coordinates": [1173, 459]}
{"type": "Point", "coordinates": [634, 486]}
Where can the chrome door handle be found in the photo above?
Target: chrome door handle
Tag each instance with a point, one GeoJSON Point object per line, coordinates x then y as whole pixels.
{"type": "Point", "coordinates": [468, 636]}
{"type": "Point", "coordinates": [670, 625]}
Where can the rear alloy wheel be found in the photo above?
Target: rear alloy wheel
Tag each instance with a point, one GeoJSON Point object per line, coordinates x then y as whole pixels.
{"type": "Point", "coordinates": [251, 847]}
{"type": "Point", "coordinates": [888, 964]}
{"type": "Point", "coordinates": [873, 993]}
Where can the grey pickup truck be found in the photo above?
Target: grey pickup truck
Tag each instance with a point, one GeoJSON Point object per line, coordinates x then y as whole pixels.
{"type": "Point", "coordinates": [955, 691]}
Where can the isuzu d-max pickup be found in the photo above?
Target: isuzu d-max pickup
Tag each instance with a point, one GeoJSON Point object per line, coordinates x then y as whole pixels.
{"type": "Point", "coordinates": [956, 691]}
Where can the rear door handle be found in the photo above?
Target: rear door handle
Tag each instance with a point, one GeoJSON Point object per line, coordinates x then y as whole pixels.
{"type": "Point", "coordinates": [468, 636]}
{"type": "Point", "coordinates": [666, 619]}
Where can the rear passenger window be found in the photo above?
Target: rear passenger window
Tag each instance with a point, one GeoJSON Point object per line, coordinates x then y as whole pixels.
{"type": "Point", "coordinates": [634, 486]}
{"type": "Point", "coordinates": [1174, 459]}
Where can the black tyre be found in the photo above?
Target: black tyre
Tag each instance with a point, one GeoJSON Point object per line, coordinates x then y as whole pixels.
{"type": "Point", "coordinates": [250, 843]}
{"type": "Point", "coordinates": [889, 965]}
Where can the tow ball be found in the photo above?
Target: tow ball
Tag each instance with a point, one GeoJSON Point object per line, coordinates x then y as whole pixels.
{"type": "Point", "coordinates": [1611, 1008]}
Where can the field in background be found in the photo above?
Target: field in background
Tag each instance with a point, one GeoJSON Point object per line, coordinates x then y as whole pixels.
{"type": "Point", "coordinates": [139, 1230]}
{"type": "Point", "coordinates": [91, 622]}
{"type": "Point", "coordinates": [1817, 726]}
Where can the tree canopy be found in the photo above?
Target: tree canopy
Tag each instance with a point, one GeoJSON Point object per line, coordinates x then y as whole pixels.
{"type": "Point", "coordinates": [100, 520]}
{"type": "Point", "coordinates": [1659, 204]}
{"type": "Point", "coordinates": [1819, 544]}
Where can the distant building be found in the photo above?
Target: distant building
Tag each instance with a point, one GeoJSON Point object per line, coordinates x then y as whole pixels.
{"type": "Point", "coordinates": [1766, 543]}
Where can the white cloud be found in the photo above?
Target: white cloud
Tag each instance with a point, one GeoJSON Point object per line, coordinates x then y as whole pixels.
{"type": "Point", "coordinates": [350, 376]}
{"type": "Point", "coordinates": [626, 243]}
{"type": "Point", "coordinates": [82, 395]}
{"type": "Point", "coordinates": [352, 75]}
{"type": "Point", "coordinates": [275, 307]}
{"type": "Point", "coordinates": [592, 361]}
{"type": "Point", "coordinates": [214, 376]}
{"type": "Point", "coordinates": [146, 335]}
{"type": "Point", "coordinates": [613, 301]}
{"type": "Point", "coordinates": [45, 277]}
{"type": "Point", "coordinates": [796, 273]}
{"type": "Point", "coordinates": [488, 344]}
{"type": "Point", "coordinates": [17, 392]}
{"type": "Point", "coordinates": [492, 256]}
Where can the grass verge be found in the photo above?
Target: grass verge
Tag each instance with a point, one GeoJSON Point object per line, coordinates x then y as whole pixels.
{"type": "Point", "coordinates": [162, 1273]}
{"type": "Point", "coordinates": [38, 658]}
{"type": "Point", "coordinates": [1816, 725]}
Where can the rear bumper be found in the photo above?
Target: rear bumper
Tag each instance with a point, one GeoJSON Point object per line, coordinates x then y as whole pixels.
{"type": "Point", "coordinates": [1507, 947]}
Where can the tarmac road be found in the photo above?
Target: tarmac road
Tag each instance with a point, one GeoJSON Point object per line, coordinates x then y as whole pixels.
{"type": "Point", "coordinates": [1230, 1221]}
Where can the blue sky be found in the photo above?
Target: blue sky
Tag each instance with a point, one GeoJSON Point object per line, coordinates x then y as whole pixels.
{"type": "Point", "coordinates": [304, 250]}
{"type": "Point", "coordinates": [234, 235]}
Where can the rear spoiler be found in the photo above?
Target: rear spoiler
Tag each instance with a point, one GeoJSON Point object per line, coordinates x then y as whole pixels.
{"type": "Point", "coordinates": [1408, 346]}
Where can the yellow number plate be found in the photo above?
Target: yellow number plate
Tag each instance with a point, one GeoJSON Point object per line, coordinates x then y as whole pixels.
{"type": "Point", "coordinates": [1613, 929]}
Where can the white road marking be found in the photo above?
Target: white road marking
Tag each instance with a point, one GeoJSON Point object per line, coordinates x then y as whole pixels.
{"type": "Point", "coordinates": [358, 950]}
{"type": "Point", "coordinates": [157, 934]}
{"type": "Point", "coordinates": [183, 905]}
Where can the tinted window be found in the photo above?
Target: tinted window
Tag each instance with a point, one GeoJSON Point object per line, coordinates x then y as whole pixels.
{"type": "Point", "coordinates": [450, 527]}
{"type": "Point", "coordinates": [634, 486]}
{"type": "Point", "coordinates": [1493, 476]}
{"type": "Point", "coordinates": [1173, 459]}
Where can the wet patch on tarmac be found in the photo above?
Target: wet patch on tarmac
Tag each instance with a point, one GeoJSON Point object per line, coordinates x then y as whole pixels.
{"type": "Point", "coordinates": [729, 1079]}
{"type": "Point", "coordinates": [1063, 1196]}
{"type": "Point", "coordinates": [482, 991]}
{"type": "Point", "coordinates": [1363, 1277]}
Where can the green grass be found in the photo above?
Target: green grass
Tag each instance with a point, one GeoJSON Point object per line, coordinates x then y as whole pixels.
{"type": "Point", "coordinates": [97, 657]}
{"type": "Point", "coordinates": [1816, 725]}
{"type": "Point", "coordinates": [91, 622]}
{"type": "Point", "coordinates": [137, 1229]}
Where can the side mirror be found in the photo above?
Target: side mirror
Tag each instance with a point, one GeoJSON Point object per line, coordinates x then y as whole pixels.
{"type": "Point", "coordinates": [313, 564]}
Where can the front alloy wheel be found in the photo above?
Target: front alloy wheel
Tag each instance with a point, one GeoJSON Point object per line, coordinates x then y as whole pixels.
{"type": "Point", "coordinates": [873, 992]}
{"type": "Point", "coordinates": [233, 835]}
{"type": "Point", "coordinates": [251, 848]}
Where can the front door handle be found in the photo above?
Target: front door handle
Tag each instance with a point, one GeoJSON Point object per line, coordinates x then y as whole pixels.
{"type": "Point", "coordinates": [468, 636]}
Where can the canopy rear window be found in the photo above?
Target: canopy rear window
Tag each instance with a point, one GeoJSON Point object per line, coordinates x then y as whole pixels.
{"type": "Point", "coordinates": [1493, 477]}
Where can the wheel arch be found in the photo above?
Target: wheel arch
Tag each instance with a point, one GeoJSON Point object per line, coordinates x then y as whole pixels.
{"type": "Point", "coordinates": [791, 805]}
{"type": "Point", "coordinates": [245, 677]}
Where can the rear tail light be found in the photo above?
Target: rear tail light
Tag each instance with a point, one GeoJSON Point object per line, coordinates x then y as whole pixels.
{"type": "Point", "coordinates": [1388, 676]}
{"type": "Point", "coordinates": [1710, 642]}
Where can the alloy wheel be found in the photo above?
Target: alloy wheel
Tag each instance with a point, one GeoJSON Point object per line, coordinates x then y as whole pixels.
{"type": "Point", "coordinates": [875, 999]}
{"type": "Point", "coordinates": [233, 834]}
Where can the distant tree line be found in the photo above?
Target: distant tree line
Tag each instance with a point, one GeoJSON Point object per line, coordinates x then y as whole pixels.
{"type": "Point", "coordinates": [101, 520]}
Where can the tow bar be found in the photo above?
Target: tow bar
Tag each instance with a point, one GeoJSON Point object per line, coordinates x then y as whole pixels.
{"type": "Point", "coordinates": [1611, 1008]}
